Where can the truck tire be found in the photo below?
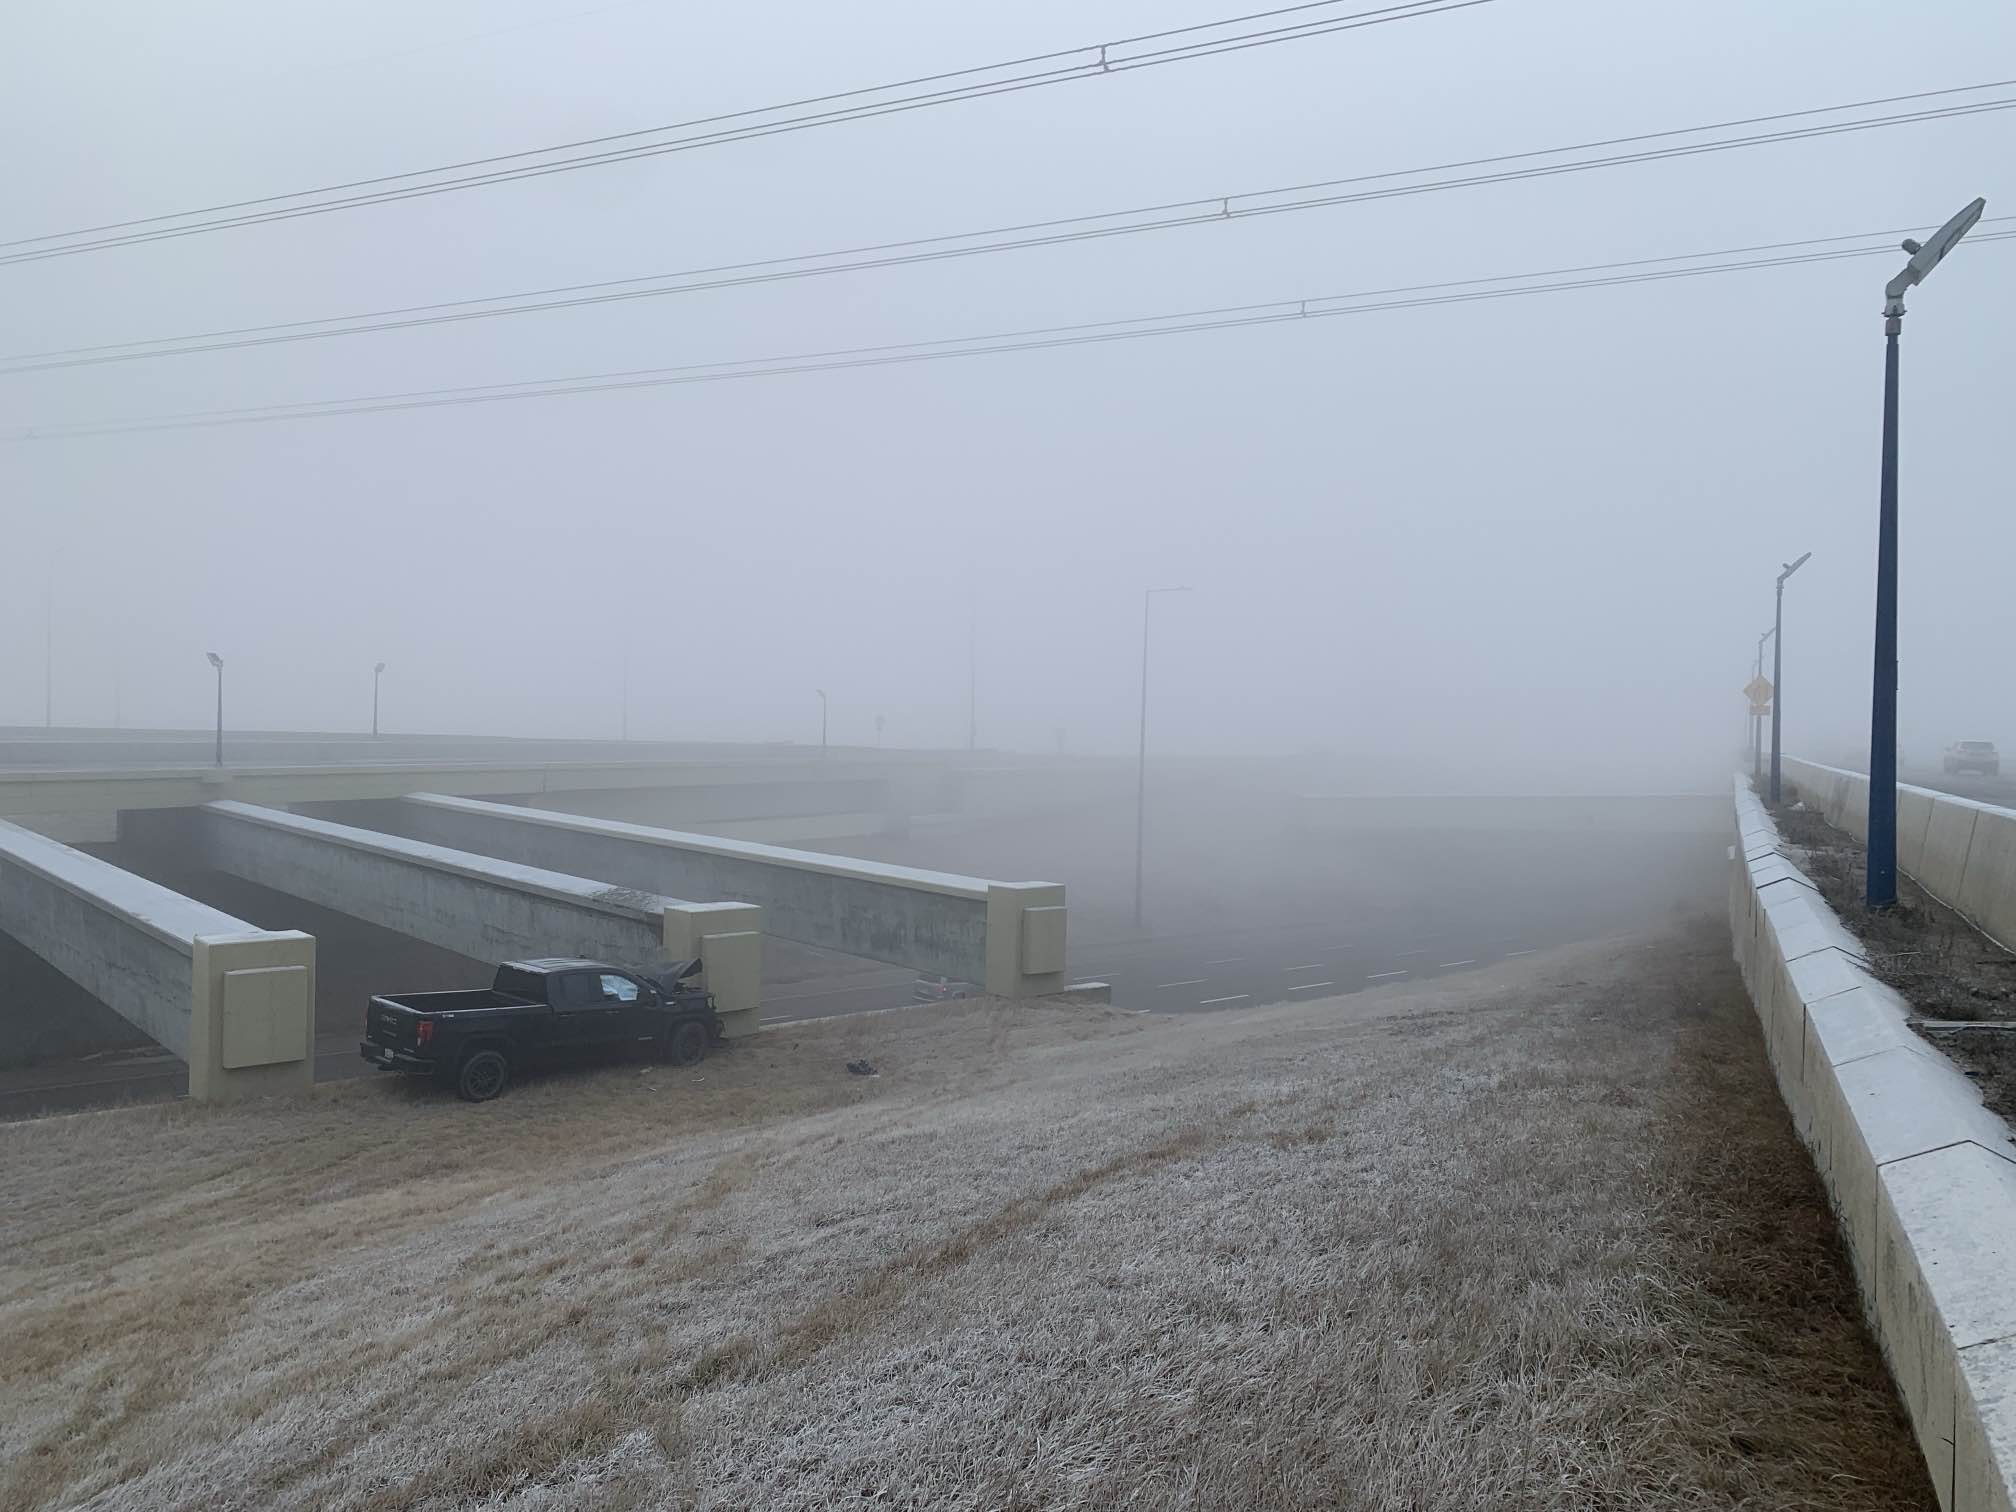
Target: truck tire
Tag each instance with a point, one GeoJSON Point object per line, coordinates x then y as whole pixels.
{"type": "Point", "coordinates": [483, 1074]}
{"type": "Point", "coordinates": [688, 1044]}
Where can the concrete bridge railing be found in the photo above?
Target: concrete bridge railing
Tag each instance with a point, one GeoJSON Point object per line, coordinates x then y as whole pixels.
{"type": "Point", "coordinates": [482, 907]}
{"type": "Point", "coordinates": [235, 1002]}
{"type": "Point", "coordinates": [1919, 1170]}
{"type": "Point", "coordinates": [1960, 851]}
{"type": "Point", "coordinates": [1006, 936]}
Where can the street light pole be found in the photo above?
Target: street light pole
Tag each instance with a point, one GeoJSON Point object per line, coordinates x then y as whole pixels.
{"type": "Point", "coordinates": [822, 719]}
{"type": "Point", "coordinates": [1778, 678]}
{"type": "Point", "coordinates": [376, 673]}
{"type": "Point", "coordinates": [1881, 891]}
{"type": "Point", "coordinates": [218, 662]}
{"type": "Point", "coordinates": [1141, 759]}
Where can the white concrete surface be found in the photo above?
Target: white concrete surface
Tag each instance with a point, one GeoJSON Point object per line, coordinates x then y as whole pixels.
{"type": "Point", "coordinates": [1923, 1177]}
{"type": "Point", "coordinates": [992, 933]}
{"type": "Point", "coordinates": [174, 968]}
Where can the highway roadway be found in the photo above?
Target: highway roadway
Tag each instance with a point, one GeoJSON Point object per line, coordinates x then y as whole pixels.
{"type": "Point", "coordinates": [2000, 791]}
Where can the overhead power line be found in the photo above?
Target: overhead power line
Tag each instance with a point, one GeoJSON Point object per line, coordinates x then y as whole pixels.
{"type": "Point", "coordinates": [1043, 338]}
{"type": "Point", "coordinates": [1211, 209]}
{"type": "Point", "coordinates": [1316, 18]}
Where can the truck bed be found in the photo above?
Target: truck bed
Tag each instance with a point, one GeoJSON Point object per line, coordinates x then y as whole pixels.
{"type": "Point", "coordinates": [460, 1001]}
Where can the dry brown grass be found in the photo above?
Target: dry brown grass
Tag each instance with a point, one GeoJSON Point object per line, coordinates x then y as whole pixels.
{"type": "Point", "coordinates": [1536, 1239]}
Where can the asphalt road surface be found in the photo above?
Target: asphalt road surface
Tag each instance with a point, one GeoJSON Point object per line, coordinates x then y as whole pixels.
{"type": "Point", "coordinates": [2000, 791]}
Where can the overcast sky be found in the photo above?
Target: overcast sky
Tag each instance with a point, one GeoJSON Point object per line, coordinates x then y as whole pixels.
{"type": "Point", "coordinates": [1538, 532]}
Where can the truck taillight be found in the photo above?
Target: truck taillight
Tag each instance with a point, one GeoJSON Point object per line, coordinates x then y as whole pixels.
{"type": "Point", "coordinates": [425, 1033]}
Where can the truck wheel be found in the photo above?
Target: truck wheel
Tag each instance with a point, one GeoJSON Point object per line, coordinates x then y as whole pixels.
{"type": "Point", "coordinates": [688, 1044]}
{"type": "Point", "coordinates": [483, 1076]}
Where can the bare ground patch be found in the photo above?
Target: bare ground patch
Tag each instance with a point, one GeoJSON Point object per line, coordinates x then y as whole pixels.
{"type": "Point", "coordinates": [1535, 1238]}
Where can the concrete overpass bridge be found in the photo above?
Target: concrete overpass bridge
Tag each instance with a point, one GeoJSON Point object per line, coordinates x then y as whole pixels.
{"type": "Point", "coordinates": [486, 849]}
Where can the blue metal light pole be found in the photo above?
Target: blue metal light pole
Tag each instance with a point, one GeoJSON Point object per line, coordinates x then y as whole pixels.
{"type": "Point", "coordinates": [1881, 891]}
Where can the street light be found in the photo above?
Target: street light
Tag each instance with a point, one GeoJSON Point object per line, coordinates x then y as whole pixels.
{"type": "Point", "coordinates": [218, 662]}
{"type": "Point", "coordinates": [1141, 767]}
{"type": "Point", "coordinates": [1882, 869]}
{"type": "Point", "coordinates": [376, 673]}
{"type": "Point", "coordinates": [822, 719]}
{"type": "Point", "coordinates": [1757, 719]}
{"type": "Point", "coordinates": [1778, 674]}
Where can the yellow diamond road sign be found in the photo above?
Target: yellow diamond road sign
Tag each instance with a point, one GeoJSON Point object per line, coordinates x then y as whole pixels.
{"type": "Point", "coordinates": [1759, 690]}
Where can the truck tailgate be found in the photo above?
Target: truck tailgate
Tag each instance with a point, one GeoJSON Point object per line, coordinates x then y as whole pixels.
{"type": "Point", "coordinates": [390, 1024]}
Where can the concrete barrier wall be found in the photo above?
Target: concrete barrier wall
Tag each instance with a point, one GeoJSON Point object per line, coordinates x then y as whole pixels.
{"type": "Point", "coordinates": [1921, 1174]}
{"type": "Point", "coordinates": [1960, 851]}
{"type": "Point", "coordinates": [236, 1003]}
{"type": "Point", "coordinates": [481, 907]}
{"type": "Point", "coordinates": [1007, 936]}
{"type": "Point", "coordinates": [775, 785]}
{"type": "Point", "coordinates": [708, 804]}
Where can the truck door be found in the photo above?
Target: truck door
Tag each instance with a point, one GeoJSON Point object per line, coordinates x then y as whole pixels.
{"type": "Point", "coordinates": [634, 1009]}
{"type": "Point", "coordinates": [587, 1016]}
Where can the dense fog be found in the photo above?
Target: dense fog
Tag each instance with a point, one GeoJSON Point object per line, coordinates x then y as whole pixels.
{"type": "Point", "coordinates": [1526, 537]}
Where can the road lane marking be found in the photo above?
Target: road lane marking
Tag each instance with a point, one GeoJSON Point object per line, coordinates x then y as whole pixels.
{"type": "Point", "coordinates": [1226, 961]}
{"type": "Point", "coordinates": [1311, 986]}
{"type": "Point", "coordinates": [1380, 976]}
{"type": "Point", "coordinates": [1403, 954]}
{"type": "Point", "coordinates": [1237, 997]}
{"type": "Point", "coordinates": [1317, 967]}
{"type": "Point", "coordinates": [1186, 982]}
{"type": "Point", "coordinates": [1511, 953]}
{"type": "Point", "coordinates": [1446, 965]}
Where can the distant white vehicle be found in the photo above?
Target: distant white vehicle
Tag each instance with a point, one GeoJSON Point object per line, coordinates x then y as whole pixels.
{"type": "Point", "coordinates": [1973, 756]}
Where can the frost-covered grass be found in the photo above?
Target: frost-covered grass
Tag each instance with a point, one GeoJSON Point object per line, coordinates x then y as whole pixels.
{"type": "Point", "coordinates": [1539, 1238]}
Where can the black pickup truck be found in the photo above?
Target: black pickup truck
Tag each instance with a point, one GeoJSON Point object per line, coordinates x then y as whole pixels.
{"type": "Point", "coordinates": [540, 1012]}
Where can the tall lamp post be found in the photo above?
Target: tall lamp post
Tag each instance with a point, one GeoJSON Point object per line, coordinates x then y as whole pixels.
{"type": "Point", "coordinates": [1778, 676]}
{"type": "Point", "coordinates": [218, 662]}
{"type": "Point", "coordinates": [376, 673]}
{"type": "Point", "coordinates": [1757, 720]}
{"type": "Point", "coordinates": [822, 719]}
{"type": "Point", "coordinates": [1882, 868]}
{"type": "Point", "coordinates": [1141, 761]}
